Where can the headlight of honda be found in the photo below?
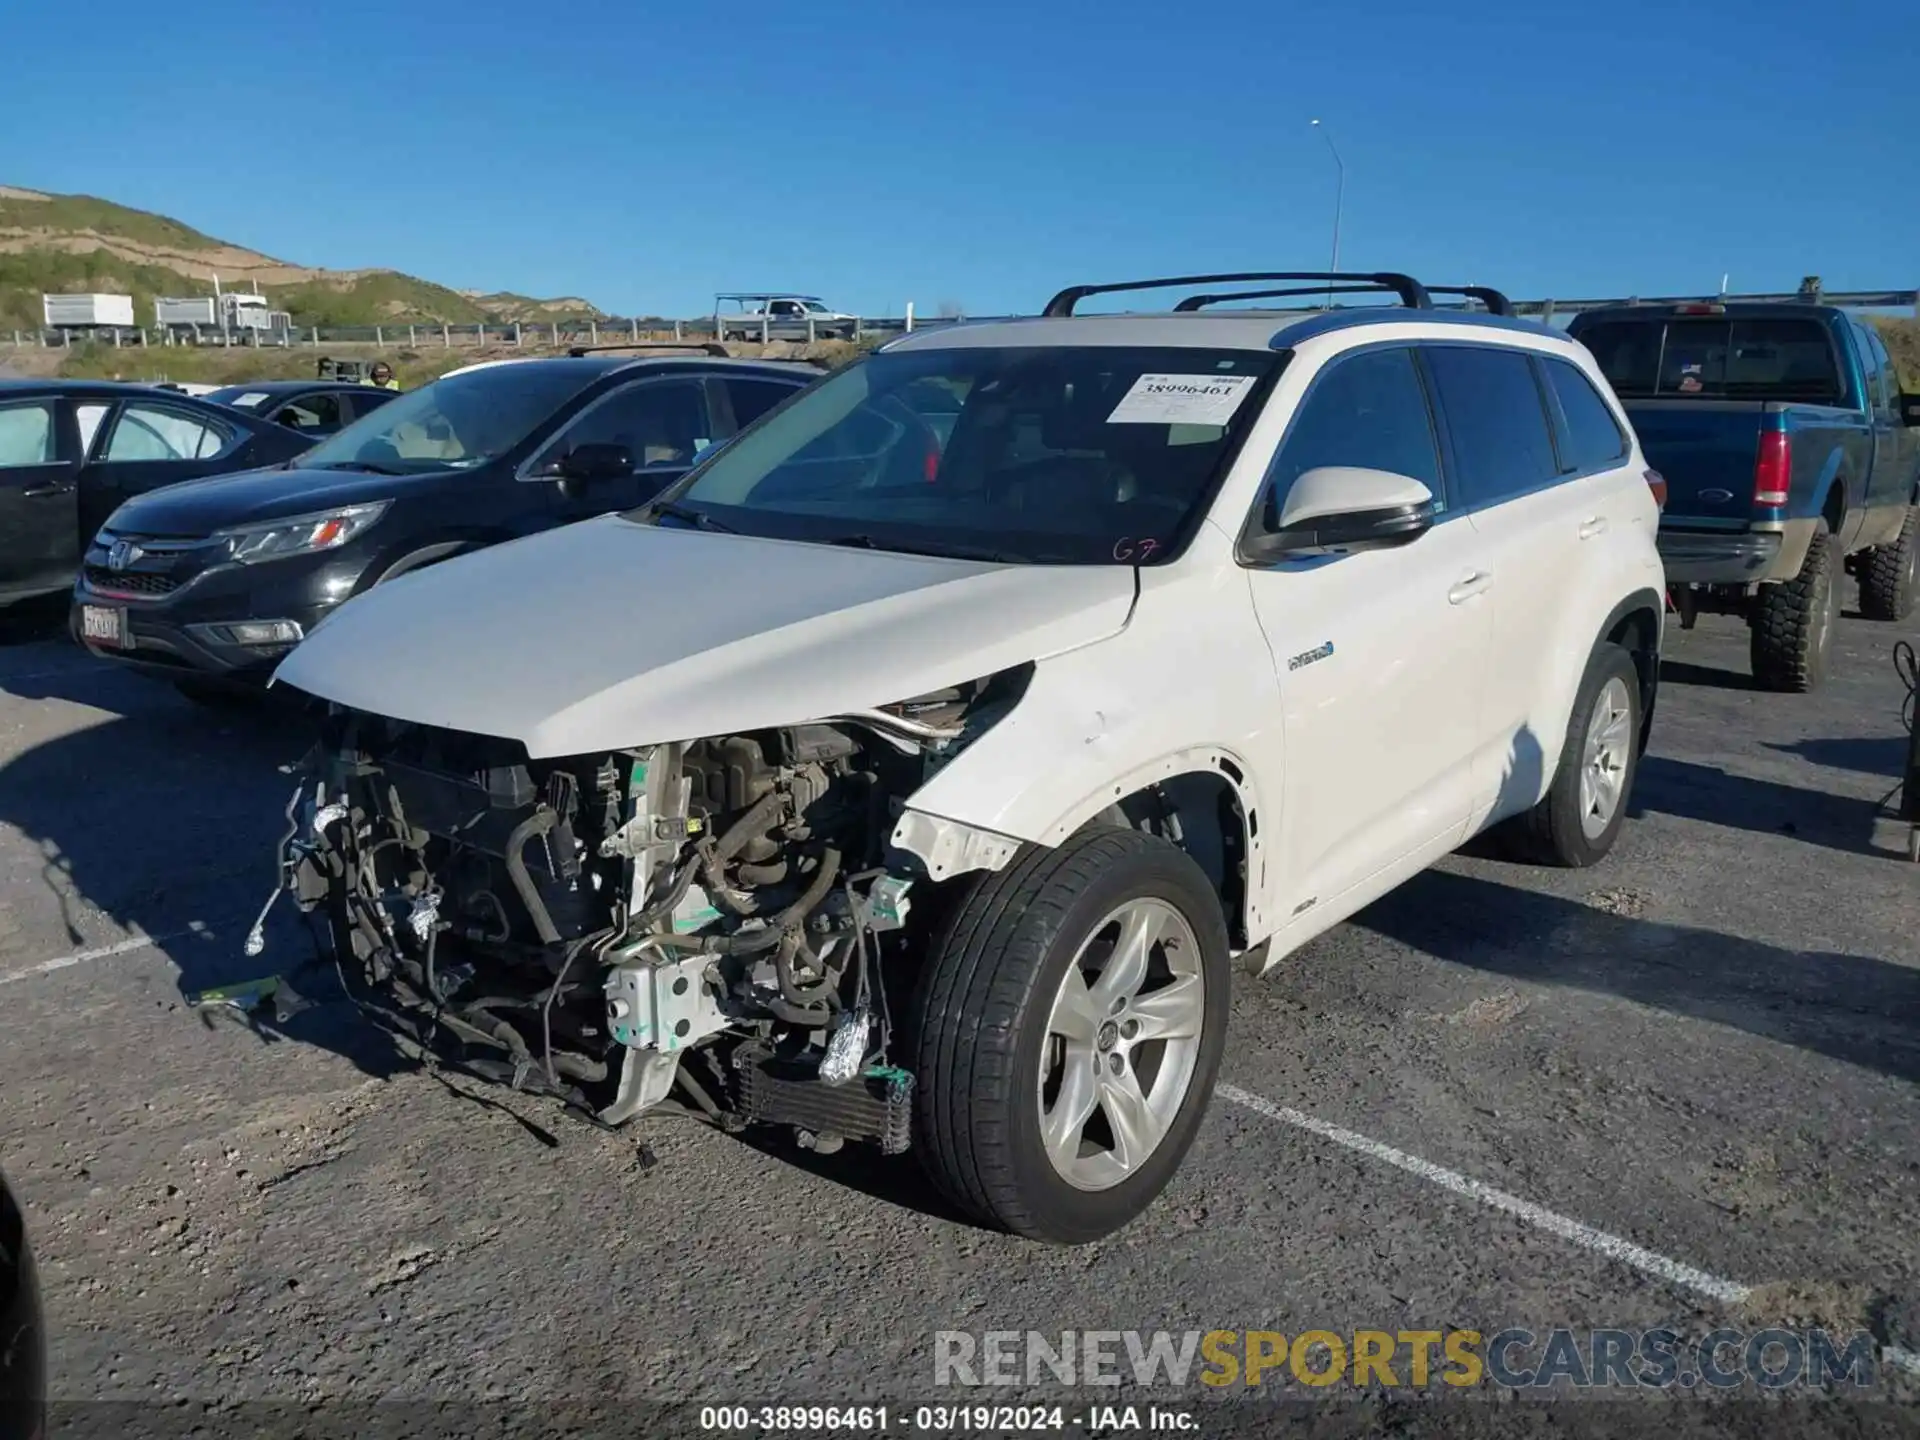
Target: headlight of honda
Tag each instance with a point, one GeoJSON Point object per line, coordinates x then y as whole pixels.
{"type": "Point", "coordinates": [300, 534]}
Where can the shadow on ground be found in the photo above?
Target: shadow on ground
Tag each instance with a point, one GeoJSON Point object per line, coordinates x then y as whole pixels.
{"type": "Point", "coordinates": [164, 816]}
{"type": "Point", "coordinates": [1715, 796]}
{"type": "Point", "coordinates": [1851, 1008]}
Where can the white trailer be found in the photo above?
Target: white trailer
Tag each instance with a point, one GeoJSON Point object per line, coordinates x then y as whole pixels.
{"type": "Point", "coordinates": [88, 312]}
{"type": "Point", "coordinates": [184, 311]}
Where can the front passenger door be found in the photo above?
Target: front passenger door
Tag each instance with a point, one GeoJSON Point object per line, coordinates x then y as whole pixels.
{"type": "Point", "coordinates": [1381, 654]}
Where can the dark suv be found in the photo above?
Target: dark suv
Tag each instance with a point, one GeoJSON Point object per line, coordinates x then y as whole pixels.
{"type": "Point", "coordinates": [211, 583]}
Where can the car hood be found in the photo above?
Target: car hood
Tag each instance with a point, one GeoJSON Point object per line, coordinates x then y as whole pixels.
{"type": "Point", "coordinates": [195, 508]}
{"type": "Point", "coordinates": [607, 634]}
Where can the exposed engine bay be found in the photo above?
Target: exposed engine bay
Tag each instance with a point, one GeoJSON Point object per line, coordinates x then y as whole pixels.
{"type": "Point", "coordinates": [723, 920]}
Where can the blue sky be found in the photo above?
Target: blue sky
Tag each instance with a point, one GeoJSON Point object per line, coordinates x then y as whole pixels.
{"type": "Point", "coordinates": [645, 155]}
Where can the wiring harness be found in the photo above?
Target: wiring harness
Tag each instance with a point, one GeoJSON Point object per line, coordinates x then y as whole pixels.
{"type": "Point", "coordinates": [1907, 667]}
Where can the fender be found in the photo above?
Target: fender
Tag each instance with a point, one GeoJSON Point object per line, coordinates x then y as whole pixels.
{"type": "Point", "coordinates": [414, 556]}
{"type": "Point", "coordinates": [1571, 665]}
{"type": "Point", "coordinates": [950, 846]}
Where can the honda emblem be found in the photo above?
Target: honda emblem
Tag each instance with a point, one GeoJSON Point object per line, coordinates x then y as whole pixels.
{"type": "Point", "coordinates": [123, 554]}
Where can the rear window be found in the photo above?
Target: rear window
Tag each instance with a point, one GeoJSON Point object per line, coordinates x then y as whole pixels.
{"type": "Point", "coordinates": [1717, 359]}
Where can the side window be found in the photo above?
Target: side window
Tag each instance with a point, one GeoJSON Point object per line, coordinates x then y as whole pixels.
{"type": "Point", "coordinates": [26, 435]}
{"type": "Point", "coordinates": [1889, 373]}
{"type": "Point", "coordinates": [319, 411]}
{"type": "Point", "coordinates": [1590, 438]}
{"type": "Point", "coordinates": [1368, 410]}
{"type": "Point", "coordinates": [753, 398]}
{"type": "Point", "coordinates": [783, 309]}
{"type": "Point", "coordinates": [662, 423]}
{"type": "Point", "coordinates": [89, 413]}
{"type": "Point", "coordinates": [1495, 419]}
{"type": "Point", "coordinates": [154, 432]}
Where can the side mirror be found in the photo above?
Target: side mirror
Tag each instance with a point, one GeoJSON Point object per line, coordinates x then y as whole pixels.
{"type": "Point", "coordinates": [595, 462]}
{"type": "Point", "coordinates": [1910, 409]}
{"type": "Point", "coordinates": [1346, 508]}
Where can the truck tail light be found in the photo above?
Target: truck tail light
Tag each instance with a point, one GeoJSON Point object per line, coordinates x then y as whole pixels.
{"type": "Point", "coordinates": [1657, 483]}
{"type": "Point", "coordinates": [930, 462]}
{"type": "Point", "coordinates": [1773, 469]}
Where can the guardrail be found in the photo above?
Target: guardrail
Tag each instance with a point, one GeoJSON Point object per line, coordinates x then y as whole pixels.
{"type": "Point", "coordinates": [554, 334]}
{"type": "Point", "coordinates": [560, 334]}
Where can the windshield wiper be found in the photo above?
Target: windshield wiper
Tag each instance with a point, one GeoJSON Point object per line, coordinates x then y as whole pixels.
{"type": "Point", "coordinates": [944, 552]}
{"type": "Point", "coordinates": [692, 516]}
{"type": "Point", "coordinates": [366, 465]}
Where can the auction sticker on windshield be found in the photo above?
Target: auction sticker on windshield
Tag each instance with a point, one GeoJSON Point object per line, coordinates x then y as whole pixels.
{"type": "Point", "coordinates": [1181, 400]}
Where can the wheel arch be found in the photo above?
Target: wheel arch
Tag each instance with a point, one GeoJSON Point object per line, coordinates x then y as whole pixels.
{"type": "Point", "coordinates": [415, 555]}
{"type": "Point", "coordinates": [1637, 624]}
{"type": "Point", "coordinates": [1202, 798]}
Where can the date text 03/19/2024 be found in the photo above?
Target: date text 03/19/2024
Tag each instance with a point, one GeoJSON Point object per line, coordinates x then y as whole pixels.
{"type": "Point", "coordinates": [960, 1419]}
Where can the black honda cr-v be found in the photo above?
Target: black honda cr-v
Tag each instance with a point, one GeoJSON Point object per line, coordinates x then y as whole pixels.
{"type": "Point", "coordinates": [210, 583]}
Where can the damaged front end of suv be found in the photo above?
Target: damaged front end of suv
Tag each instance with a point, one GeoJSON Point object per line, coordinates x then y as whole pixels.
{"type": "Point", "coordinates": [724, 922]}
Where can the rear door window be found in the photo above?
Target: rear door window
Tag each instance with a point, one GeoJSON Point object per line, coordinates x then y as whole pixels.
{"type": "Point", "coordinates": [751, 399]}
{"type": "Point", "coordinates": [1590, 438]}
{"type": "Point", "coordinates": [1496, 422]}
{"type": "Point", "coordinates": [158, 432]}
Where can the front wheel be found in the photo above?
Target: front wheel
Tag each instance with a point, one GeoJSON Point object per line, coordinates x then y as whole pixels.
{"type": "Point", "coordinates": [1069, 1027]}
{"type": "Point", "coordinates": [1890, 573]}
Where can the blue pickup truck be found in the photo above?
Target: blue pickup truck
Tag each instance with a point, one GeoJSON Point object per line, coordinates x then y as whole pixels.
{"type": "Point", "coordinates": [1791, 459]}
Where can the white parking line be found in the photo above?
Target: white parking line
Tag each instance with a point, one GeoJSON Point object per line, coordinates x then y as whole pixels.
{"type": "Point", "coordinates": [67, 962]}
{"type": "Point", "coordinates": [1727, 1292]}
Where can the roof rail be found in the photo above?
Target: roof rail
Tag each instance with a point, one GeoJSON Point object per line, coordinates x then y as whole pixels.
{"type": "Point", "coordinates": [1200, 302]}
{"type": "Point", "coordinates": [708, 347]}
{"type": "Point", "coordinates": [1496, 303]}
{"type": "Point", "coordinates": [1411, 292]}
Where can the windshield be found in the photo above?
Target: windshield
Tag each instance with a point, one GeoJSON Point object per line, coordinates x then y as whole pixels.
{"type": "Point", "coordinates": [1085, 455]}
{"type": "Point", "coordinates": [457, 422]}
{"type": "Point", "coordinates": [1716, 359]}
{"type": "Point", "coordinates": [816, 307]}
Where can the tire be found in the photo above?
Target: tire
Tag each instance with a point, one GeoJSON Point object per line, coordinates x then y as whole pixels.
{"type": "Point", "coordinates": [1793, 621]}
{"type": "Point", "coordinates": [986, 1062]}
{"type": "Point", "coordinates": [1890, 573]}
{"type": "Point", "coordinates": [1571, 826]}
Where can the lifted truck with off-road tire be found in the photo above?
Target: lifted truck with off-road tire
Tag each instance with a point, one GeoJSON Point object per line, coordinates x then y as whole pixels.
{"type": "Point", "coordinates": [1791, 463]}
{"type": "Point", "coordinates": [914, 771]}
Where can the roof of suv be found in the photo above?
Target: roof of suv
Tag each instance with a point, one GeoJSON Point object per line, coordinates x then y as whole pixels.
{"type": "Point", "coordinates": [1201, 329]}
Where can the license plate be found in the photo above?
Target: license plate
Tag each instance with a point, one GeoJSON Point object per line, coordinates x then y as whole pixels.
{"type": "Point", "coordinates": [104, 624]}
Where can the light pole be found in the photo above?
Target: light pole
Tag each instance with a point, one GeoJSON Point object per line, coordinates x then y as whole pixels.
{"type": "Point", "coordinates": [1339, 198]}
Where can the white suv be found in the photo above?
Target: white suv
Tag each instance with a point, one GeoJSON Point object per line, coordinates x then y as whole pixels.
{"type": "Point", "coordinates": [913, 770]}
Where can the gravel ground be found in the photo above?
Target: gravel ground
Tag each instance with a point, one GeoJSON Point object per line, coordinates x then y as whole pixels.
{"type": "Point", "coordinates": [1706, 1050]}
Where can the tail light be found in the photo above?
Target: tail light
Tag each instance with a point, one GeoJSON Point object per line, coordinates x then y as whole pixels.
{"type": "Point", "coordinates": [1657, 483]}
{"type": "Point", "coordinates": [1773, 469]}
{"type": "Point", "coordinates": [931, 464]}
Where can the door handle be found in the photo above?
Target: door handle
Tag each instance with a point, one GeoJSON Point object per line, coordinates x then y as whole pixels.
{"type": "Point", "coordinates": [1596, 526]}
{"type": "Point", "coordinates": [1469, 587]}
{"type": "Point", "coordinates": [31, 492]}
